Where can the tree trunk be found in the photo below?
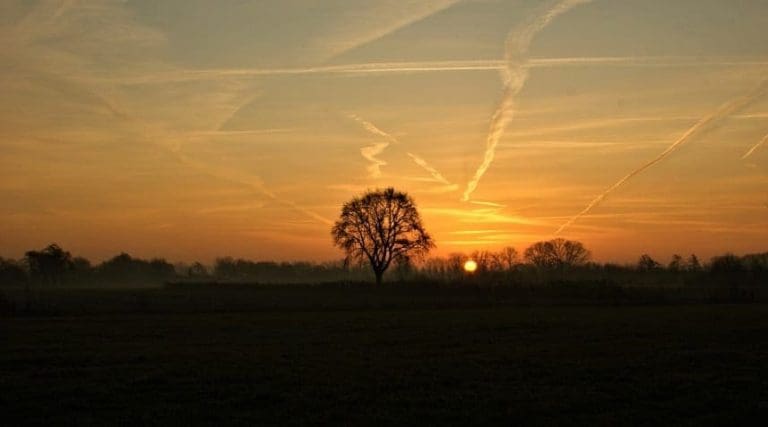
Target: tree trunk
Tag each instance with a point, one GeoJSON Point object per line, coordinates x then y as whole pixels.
{"type": "Point", "coordinates": [379, 276]}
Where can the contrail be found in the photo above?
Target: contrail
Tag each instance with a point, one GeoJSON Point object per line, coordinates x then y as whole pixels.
{"type": "Point", "coordinates": [755, 147]}
{"type": "Point", "coordinates": [245, 102]}
{"type": "Point", "coordinates": [371, 151]}
{"type": "Point", "coordinates": [50, 13]}
{"type": "Point", "coordinates": [431, 66]}
{"type": "Point", "coordinates": [375, 33]}
{"type": "Point", "coordinates": [514, 76]}
{"type": "Point", "coordinates": [226, 174]}
{"type": "Point", "coordinates": [238, 178]}
{"type": "Point", "coordinates": [370, 127]}
{"type": "Point", "coordinates": [703, 126]}
{"type": "Point", "coordinates": [427, 167]}
{"type": "Point", "coordinates": [491, 204]}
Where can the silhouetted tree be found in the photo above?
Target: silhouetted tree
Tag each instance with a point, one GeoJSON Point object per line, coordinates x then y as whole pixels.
{"type": "Point", "coordinates": [443, 268]}
{"type": "Point", "coordinates": [160, 268]}
{"type": "Point", "coordinates": [126, 269]}
{"type": "Point", "coordinates": [455, 264]}
{"type": "Point", "coordinates": [676, 264]}
{"type": "Point", "coordinates": [81, 264]}
{"type": "Point", "coordinates": [403, 268]}
{"type": "Point", "coordinates": [382, 226]}
{"type": "Point", "coordinates": [557, 253]}
{"type": "Point", "coordinates": [225, 268]}
{"type": "Point", "coordinates": [756, 263]}
{"type": "Point", "coordinates": [81, 271]}
{"type": "Point", "coordinates": [729, 270]}
{"type": "Point", "coordinates": [506, 258]}
{"type": "Point", "coordinates": [485, 261]}
{"type": "Point", "coordinates": [726, 264]}
{"type": "Point", "coordinates": [646, 263]}
{"type": "Point", "coordinates": [48, 265]}
{"type": "Point", "coordinates": [197, 270]}
{"type": "Point", "coordinates": [693, 263]}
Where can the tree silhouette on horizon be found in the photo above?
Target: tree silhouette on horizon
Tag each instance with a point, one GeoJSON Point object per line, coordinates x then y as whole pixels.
{"type": "Point", "coordinates": [381, 227]}
{"type": "Point", "coordinates": [49, 265]}
{"type": "Point", "coordinates": [557, 253]}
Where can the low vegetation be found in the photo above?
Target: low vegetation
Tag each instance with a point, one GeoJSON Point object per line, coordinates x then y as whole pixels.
{"type": "Point", "coordinates": [541, 264]}
{"type": "Point", "coordinates": [587, 365]}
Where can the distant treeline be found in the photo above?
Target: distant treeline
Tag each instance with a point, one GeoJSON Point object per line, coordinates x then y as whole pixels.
{"type": "Point", "coordinates": [53, 266]}
{"type": "Point", "coordinates": [544, 262]}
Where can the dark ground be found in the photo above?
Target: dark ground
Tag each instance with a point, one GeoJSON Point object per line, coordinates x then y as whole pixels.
{"type": "Point", "coordinates": [588, 365]}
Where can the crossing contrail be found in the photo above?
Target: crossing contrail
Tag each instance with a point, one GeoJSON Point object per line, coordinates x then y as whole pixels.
{"type": "Point", "coordinates": [514, 76]}
{"type": "Point", "coordinates": [702, 127]}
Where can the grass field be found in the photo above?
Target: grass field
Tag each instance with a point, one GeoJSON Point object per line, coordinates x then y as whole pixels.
{"type": "Point", "coordinates": [604, 365]}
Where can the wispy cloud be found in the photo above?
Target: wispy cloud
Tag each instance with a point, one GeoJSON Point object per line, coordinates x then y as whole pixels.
{"type": "Point", "coordinates": [475, 232]}
{"type": "Point", "coordinates": [228, 209]}
{"type": "Point", "coordinates": [701, 128]}
{"type": "Point", "coordinates": [482, 215]}
{"type": "Point", "coordinates": [491, 204]}
{"type": "Point", "coordinates": [514, 76]}
{"type": "Point", "coordinates": [247, 132]}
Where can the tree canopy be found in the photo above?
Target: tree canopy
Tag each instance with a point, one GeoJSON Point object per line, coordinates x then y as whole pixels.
{"type": "Point", "coordinates": [557, 253]}
{"type": "Point", "coordinates": [381, 227]}
{"type": "Point", "coordinates": [48, 265]}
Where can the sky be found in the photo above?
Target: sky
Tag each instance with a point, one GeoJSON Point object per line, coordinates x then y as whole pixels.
{"type": "Point", "coordinates": [192, 129]}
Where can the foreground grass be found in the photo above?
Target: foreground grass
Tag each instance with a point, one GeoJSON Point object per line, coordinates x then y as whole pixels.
{"type": "Point", "coordinates": [537, 365]}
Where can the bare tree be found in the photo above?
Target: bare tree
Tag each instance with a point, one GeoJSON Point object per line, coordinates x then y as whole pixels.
{"type": "Point", "coordinates": [557, 253]}
{"type": "Point", "coordinates": [484, 260]}
{"type": "Point", "coordinates": [197, 269]}
{"type": "Point", "coordinates": [646, 263]}
{"type": "Point", "coordinates": [676, 264]}
{"type": "Point", "coordinates": [693, 264]}
{"type": "Point", "coordinates": [455, 263]}
{"type": "Point", "coordinates": [380, 227]}
{"type": "Point", "coordinates": [506, 258]}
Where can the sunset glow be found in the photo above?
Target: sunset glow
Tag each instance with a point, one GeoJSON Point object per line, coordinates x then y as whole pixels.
{"type": "Point", "coordinates": [370, 212]}
{"type": "Point", "coordinates": [178, 129]}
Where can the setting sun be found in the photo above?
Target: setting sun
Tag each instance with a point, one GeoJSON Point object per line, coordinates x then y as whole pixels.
{"type": "Point", "coordinates": [470, 266]}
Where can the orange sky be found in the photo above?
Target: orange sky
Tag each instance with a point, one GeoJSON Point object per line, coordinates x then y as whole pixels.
{"type": "Point", "coordinates": [187, 130]}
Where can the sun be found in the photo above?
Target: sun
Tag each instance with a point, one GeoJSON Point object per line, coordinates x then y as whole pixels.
{"type": "Point", "coordinates": [470, 266]}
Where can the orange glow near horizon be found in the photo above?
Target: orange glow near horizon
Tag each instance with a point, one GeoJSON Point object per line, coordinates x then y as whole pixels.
{"type": "Point", "coordinates": [123, 127]}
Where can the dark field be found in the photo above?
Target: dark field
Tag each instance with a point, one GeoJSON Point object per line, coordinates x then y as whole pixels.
{"type": "Point", "coordinates": [601, 364]}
